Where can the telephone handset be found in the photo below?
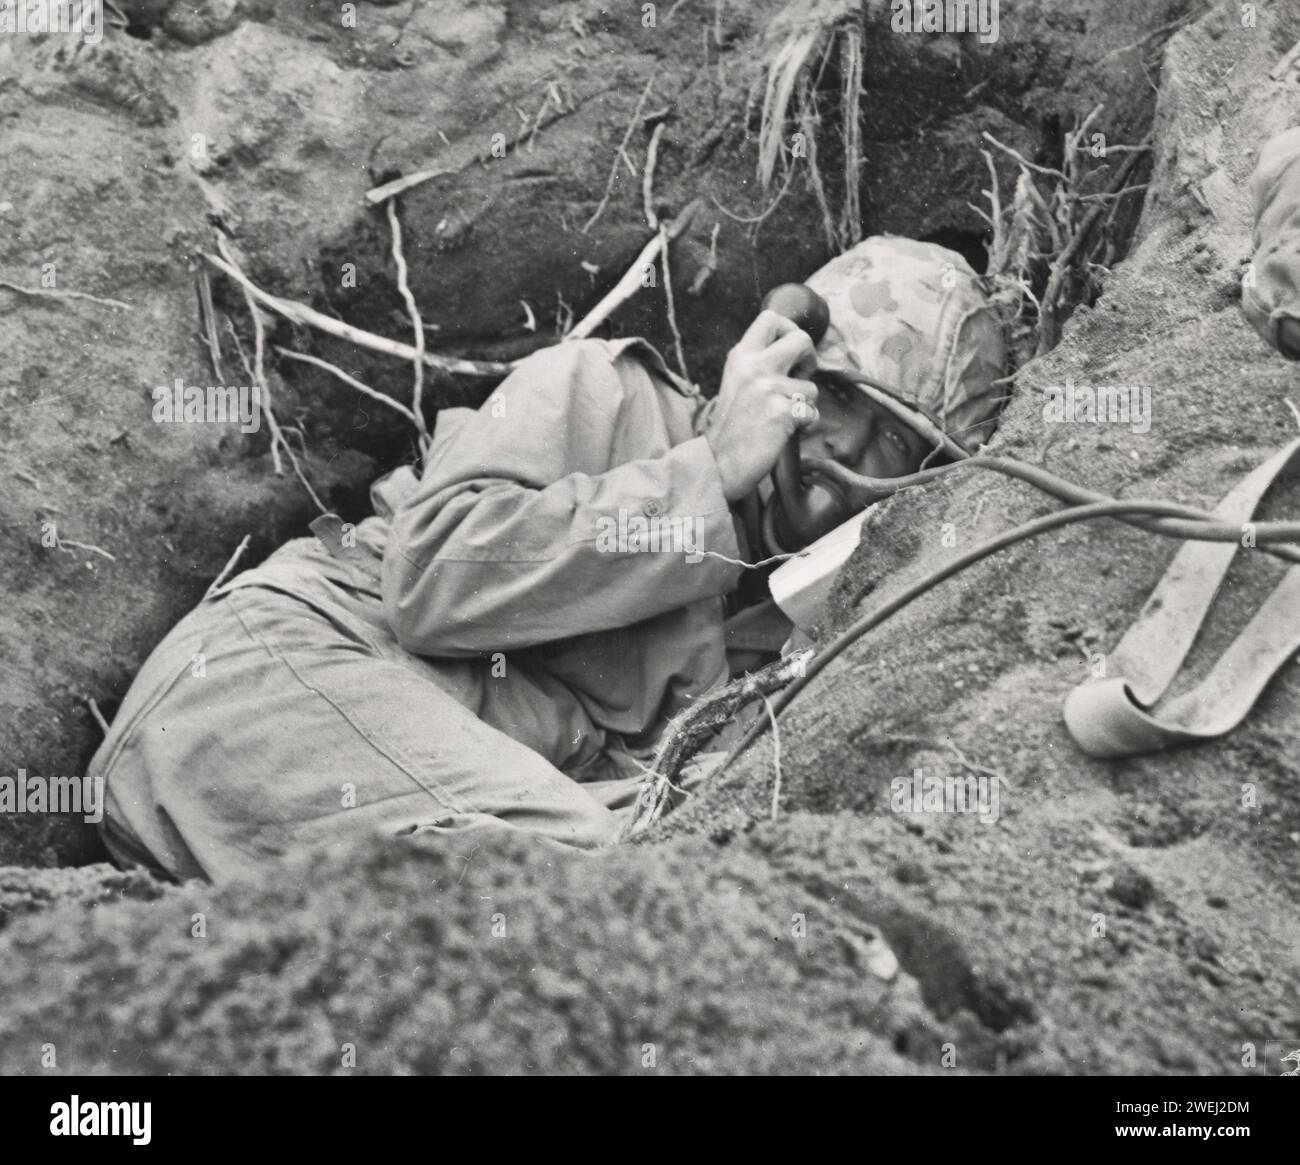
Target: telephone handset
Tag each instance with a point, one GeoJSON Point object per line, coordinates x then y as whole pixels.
{"type": "Point", "coordinates": [800, 512]}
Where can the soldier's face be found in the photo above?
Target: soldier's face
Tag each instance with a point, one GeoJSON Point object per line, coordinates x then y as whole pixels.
{"type": "Point", "coordinates": [861, 435]}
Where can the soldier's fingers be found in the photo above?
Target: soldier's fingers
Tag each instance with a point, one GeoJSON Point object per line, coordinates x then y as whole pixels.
{"type": "Point", "coordinates": [802, 402]}
{"type": "Point", "coordinates": [767, 327]}
{"type": "Point", "coordinates": [794, 349]}
{"type": "Point", "coordinates": [805, 416]}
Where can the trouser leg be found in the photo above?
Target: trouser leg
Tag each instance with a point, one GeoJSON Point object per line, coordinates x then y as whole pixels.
{"type": "Point", "coordinates": [296, 730]}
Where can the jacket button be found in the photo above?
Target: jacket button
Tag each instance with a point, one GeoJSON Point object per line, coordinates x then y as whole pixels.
{"type": "Point", "coordinates": [651, 509]}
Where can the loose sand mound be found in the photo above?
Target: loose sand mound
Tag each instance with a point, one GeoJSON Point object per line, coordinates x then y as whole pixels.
{"type": "Point", "coordinates": [500, 956]}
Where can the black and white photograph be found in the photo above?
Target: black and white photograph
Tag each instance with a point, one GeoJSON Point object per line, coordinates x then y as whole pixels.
{"type": "Point", "coordinates": [708, 538]}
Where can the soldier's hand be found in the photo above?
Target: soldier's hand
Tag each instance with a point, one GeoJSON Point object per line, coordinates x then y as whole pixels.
{"type": "Point", "coordinates": [762, 401]}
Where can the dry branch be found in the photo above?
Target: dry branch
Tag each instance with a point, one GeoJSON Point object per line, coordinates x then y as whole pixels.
{"type": "Point", "coordinates": [97, 714]}
{"type": "Point", "coordinates": [401, 185]}
{"type": "Point", "coordinates": [668, 293]}
{"type": "Point", "coordinates": [631, 283]}
{"type": "Point", "coordinates": [648, 178]}
{"type": "Point", "coordinates": [689, 730]}
{"type": "Point", "coordinates": [381, 194]}
{"type": "Point", "coordinates": [54, 293]}
{"type": "Point", "coordinates": [351, 381]}
{"type": "Point", "coordinates": [1280, 70]}
{"type": "Point", "coordinates": [230, 565]}
{"type": "Point", "coordinates": [776, 756]}
{"type": "Point", "coordinates": [754, 220]}
{"type": "Point", "coordinates": [208, 319]}
{"type": "Point", "coordinates": [1019, 157]}
{"type": "Point", "coordinates": [417, 324]}
{"type": "Point", "coordinates": [300, 313]}
{"type": "Point", "coordinates": [69, 544]}
{"type": "Point", "coordinates": [1049, 330]}
{"type": "Point", "coordinates": [257, 373]}
{"type": "Point", "coordinates": [622, 146]}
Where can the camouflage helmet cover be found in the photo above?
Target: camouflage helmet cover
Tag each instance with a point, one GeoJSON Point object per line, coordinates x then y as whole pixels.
{"type": "Point", "coordinates": [912, 317]}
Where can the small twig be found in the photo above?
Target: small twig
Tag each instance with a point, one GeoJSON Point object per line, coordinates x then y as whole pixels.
{"type": "Point", "coordinates": [1155, 32]}
{"type": "Point", "coordinates": [648, 177]}
{"type": "Point", "coordinates": [907, 739]}
{"type": "Point", "coordinates": [277, 437]}
{"type": "Point", "coordinates": [208, 319]}
{"type": "Point", "coordinates": [97, 714]}
{"type": "Point", "coordinates": [709, 266]}
{"type": "Point", "coordinates": [1040, 204]}
{"type": "Point", "coordinates": [258, 374]}
{"type": "Point", "coordinates": [54, 293]}
{"type": "Point", "coordinates": [263, 397]}
{"type": "Point", "coordinates": [622, 291]}
{"type": "Point", "coordinates": [809, 122]}
{"type": "Point", "coordinates": [248, 371]}
{"type": "Point", "coordinates": [563, 315]}
{"type": "Point", "coordinates": [69, 544]}
{"type": "Point", "coordinates": [351, 381]}
{"type": "Point", "coordinates": [966, 763]}
{"type": "Point", "coordinates": [1049, 328]}
{"type": "Point", "coordinates": [1079, 134]}
{"type": "Point", "coordinates": [553, 97]}
{"type": "Point", "coordinates": [1295, 412]}
{"type": "Point", "coordinates": [1019, 157]}
{"type": "Point", "coordinates": [776, 756]}
{"type": "Point", "coordinates": [402, 185]}
{"type": "Point", "coordinates": [756, 219]}
{"type": "Point", "coordinates": [537, 121]}
{"type": "Point", "coordinates": [613, 170]}
{"type": "Point", "coordinates": [230, 565]}
{"type": "Point", "coordinates": [23, 475]}
{"type": "Point", "coordinates": [1278, 71]}
{"type": "Point", "coordinates": [851, 70]}
{"type": "Point", "coordinates": [417, 324]}
{"type": "Point", "coordinates": [994, 217]}
{"type": "Point", "coordinates": [668, 294]}
{"type": "Point", "coordinates": [1103, 195]}
{"type": "Point", "coordinates": [631, 283]}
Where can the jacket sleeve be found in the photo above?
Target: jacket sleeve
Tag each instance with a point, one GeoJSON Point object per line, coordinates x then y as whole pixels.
{"type": "Point", "coordinates": [509, 541]}
{"type": "Point", "coordinates": [1271, 292]}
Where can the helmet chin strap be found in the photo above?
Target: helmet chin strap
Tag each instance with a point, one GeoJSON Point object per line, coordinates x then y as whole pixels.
{"type": "Point", "coordinates": [914, 420]}
{"type": "Point", "coordinates": [848, 492]}
{"type": "Point", "coordinates": [814, 495]}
